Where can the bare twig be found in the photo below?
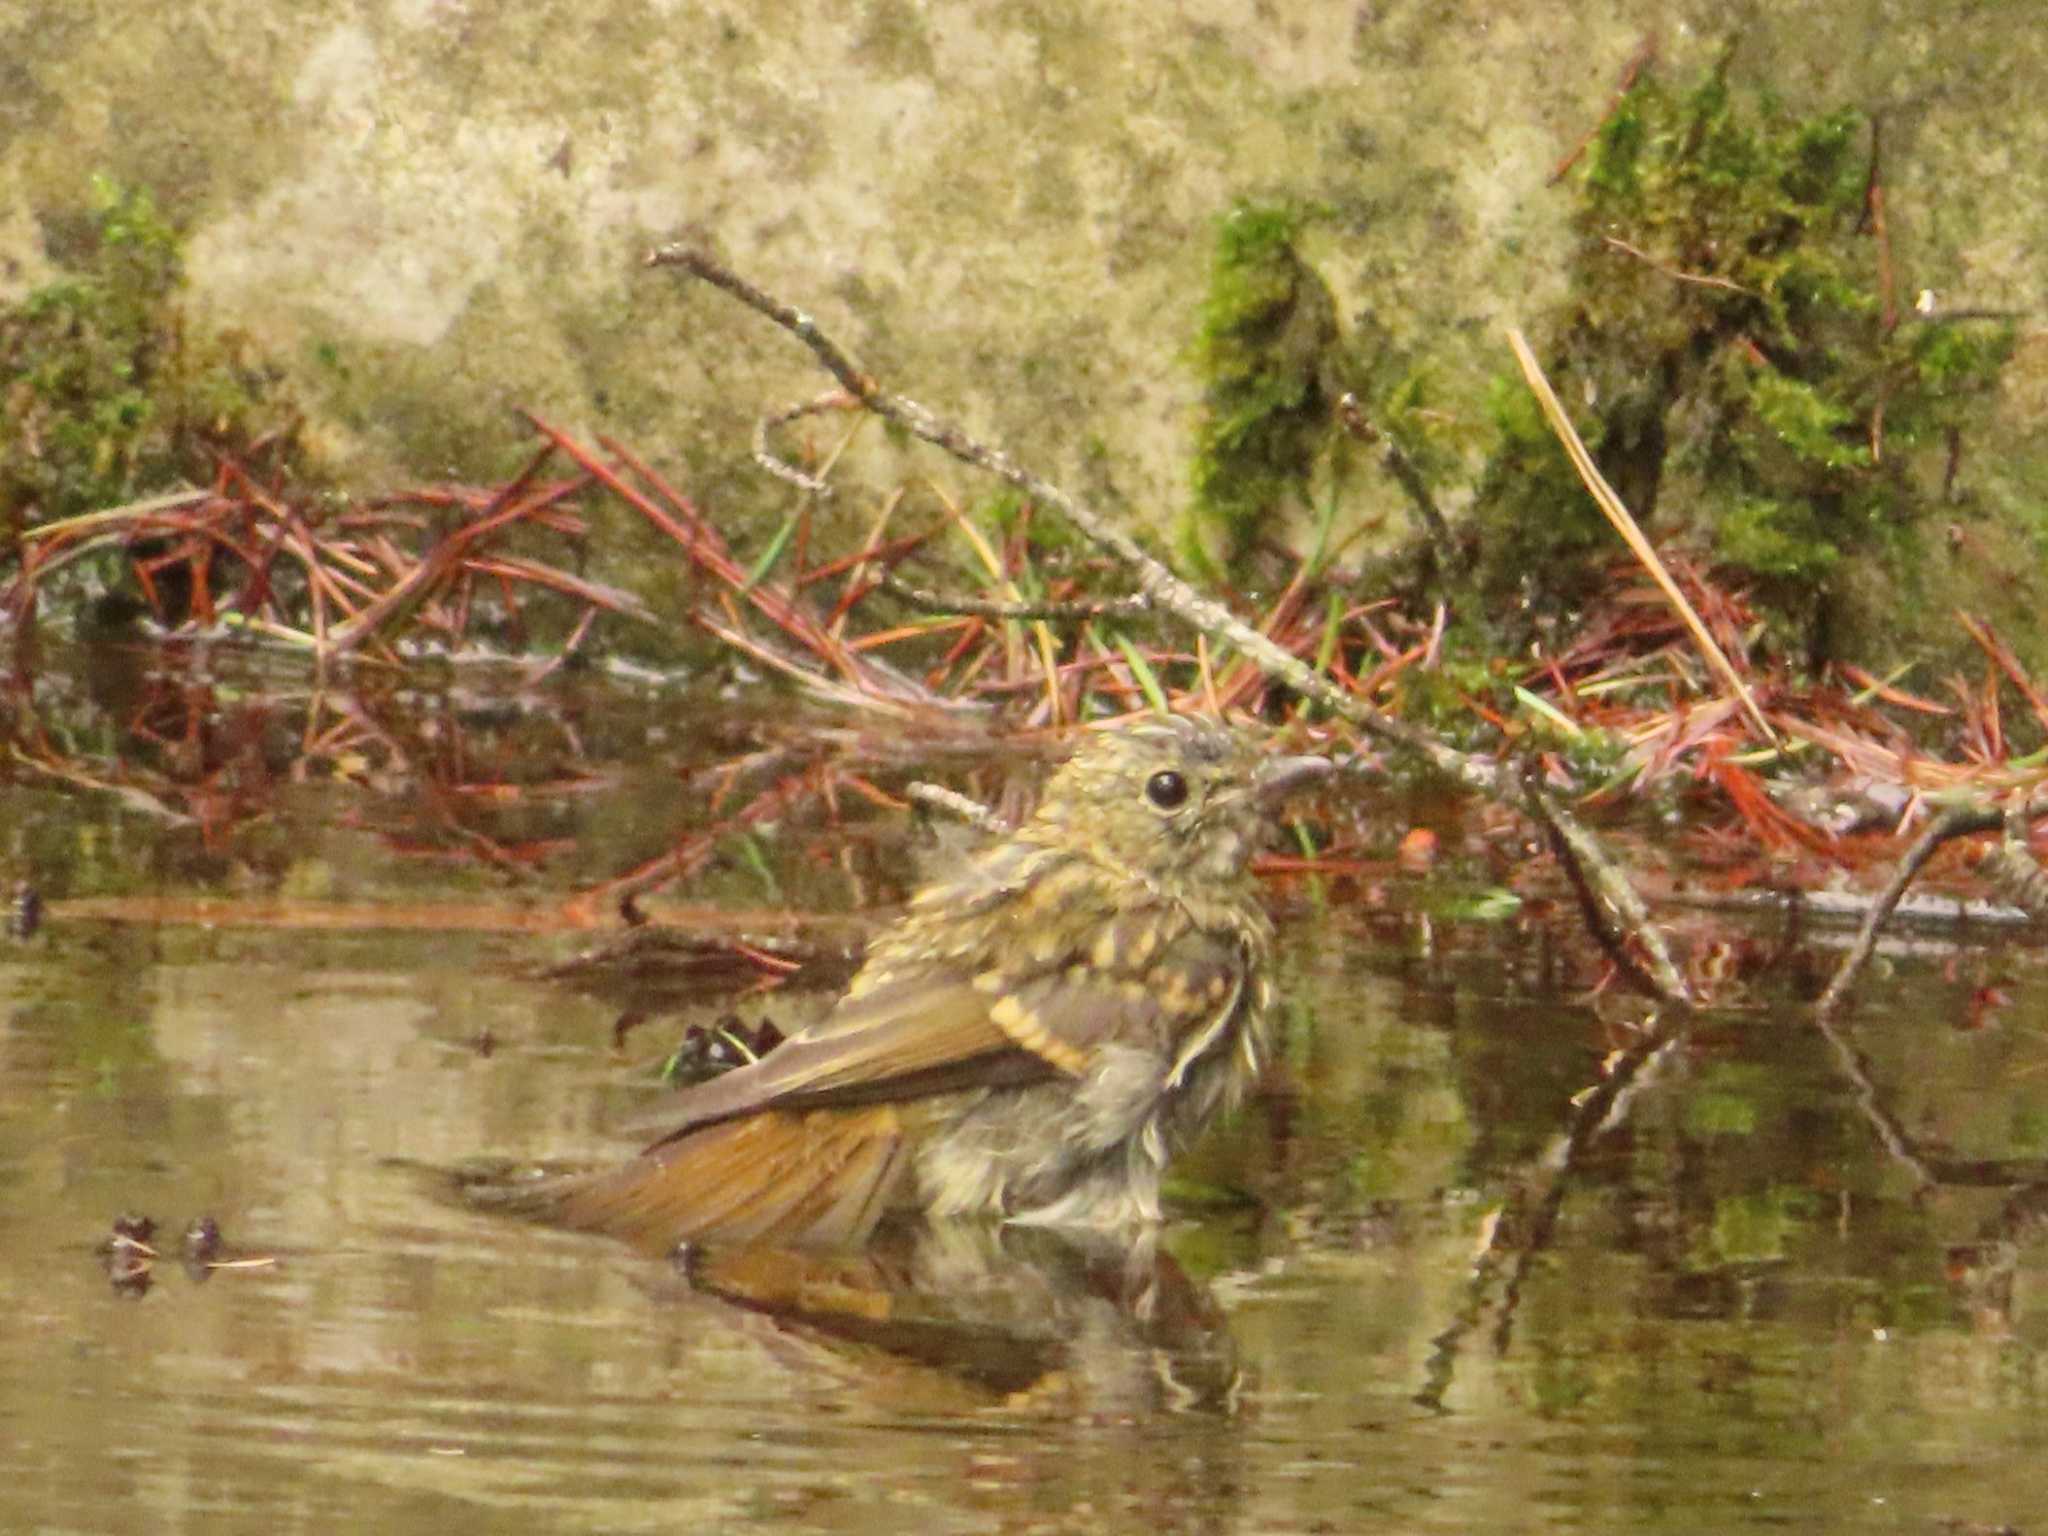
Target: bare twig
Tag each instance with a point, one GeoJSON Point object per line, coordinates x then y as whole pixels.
{"type": "Point", "coordinates": [1873, 221]}
{"type": "Point", "coordinates": [1200, 612]}
{"type": "Point", "coordinates": [1613, 909]}
{"type": "Point", "coordinates": [987, 608]}
{"type": "Point", "coordinates": [1394, 459]}
{"type": "Point", "coordinates": [1674, 273]}
{"type": "Point", "coordinates": [1959, 821]}
{"type": "Point", "coordinates": [1154, 579]}
{"type": "Point", "coordinates": [961, 807]}
{"type": "Point", "coordinates": [781, 468]}
{"type": "Point", "coordinates": [1618, 514]}
{"type": "Point", "coordinates": [1644, 56]}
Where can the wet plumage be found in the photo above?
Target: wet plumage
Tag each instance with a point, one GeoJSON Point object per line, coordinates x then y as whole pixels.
{"type": "Point", "coordinates": [1032, 1041]}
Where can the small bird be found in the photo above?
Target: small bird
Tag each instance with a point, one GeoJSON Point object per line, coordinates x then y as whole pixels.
{"type": "Point", "coordinates": [1030, 1042]}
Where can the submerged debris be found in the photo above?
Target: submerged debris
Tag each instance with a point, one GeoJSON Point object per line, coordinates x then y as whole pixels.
{"type": "Point", "coordinates": [201, 1242]}
{"type": "Point", "coordinates": [25, 911]}
{"type": "Point", "coordinates": [128, 1253]}
{"type": "Point", "coordinates": [708, 1050]}
{"type": "Point", "coordinates": [127, 1256]}
{"type": "Point", "coordinates": [133, 1231]}
{"type": "Point", "coordinates": [650, 968]}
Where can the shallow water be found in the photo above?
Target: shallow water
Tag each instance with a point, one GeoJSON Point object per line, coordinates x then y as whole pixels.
{"type": "Point", "coordinates": [1743, 1316]}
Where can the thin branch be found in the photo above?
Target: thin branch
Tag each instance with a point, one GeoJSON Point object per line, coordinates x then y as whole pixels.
{"type": "Point", "coordinates": [781, 468]}
{"type": "Point", "coordinates": [1887, 284]}
{"type": "Point", "coordinates": [1395, 461]}
{"type": "Point", "coordinates": [960, 807]}
{"type": "Point", "coordinates": [1202, 613]}
{"type": "Point", "coordinates": [1958, 821]}
{"type": "Point", "coordinates": [1674, 273]}
{"type": "Point", "coordinates": [987, 608]}
{"type": "Point", "coordinates": [1154, 579]}
{"type": "Point", "coordinates": [1613, 909]}
{"type": "Point", "coordinates": [1644, 56]}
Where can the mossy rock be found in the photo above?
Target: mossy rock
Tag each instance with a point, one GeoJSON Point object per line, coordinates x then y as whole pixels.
{"type": "Point", "coordinates": [1735, 364]}
{"type": "Point", "coordinates": [107, 392]}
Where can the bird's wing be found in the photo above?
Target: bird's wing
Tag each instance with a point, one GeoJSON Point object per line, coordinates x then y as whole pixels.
{"type": "Point", "coordinates": [900, 1041]}
{"type": "Point", "coordinates": [809, 1145]}
{"type": "Point", "coordinates": [1006, 1022]}
{"type": "Point", "coordinates": [812, 1143]}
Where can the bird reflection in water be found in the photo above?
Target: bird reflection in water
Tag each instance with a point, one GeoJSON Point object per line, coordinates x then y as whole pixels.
{"type": "Point", "coordinates": [970, 1316]}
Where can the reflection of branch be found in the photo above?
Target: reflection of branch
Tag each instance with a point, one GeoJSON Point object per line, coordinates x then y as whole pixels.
{"type": "Point", "coordinates": [2009, 864]}
{"type": "Point", "coordinates": [1957, 821]}
{"type": "Point", "coordinates": [778, 800]}
{"type": "Point", "coordinates": [135, 797]}
{"type": "Point", "coordinates": [1524, 1226]}
{"type": "Point", "coordinates": [1989, 1172]}
{"type": "Point", "coordinates": [1527, 1221]}
{"type": "Point", "coordinates": [1892, 1136]}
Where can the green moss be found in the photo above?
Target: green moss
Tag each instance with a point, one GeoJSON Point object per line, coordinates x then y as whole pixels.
{"type": "Point", "coordinates": [1266, 329]}
{"type": "Point", "coordinates": [1753, 1228]}
{"type": "Point", "coordinates": [107, 391]}
{"type": "Point", "coordinates": [1777, 538]}
{"type": "Point", "coordinates": [1727, 355]}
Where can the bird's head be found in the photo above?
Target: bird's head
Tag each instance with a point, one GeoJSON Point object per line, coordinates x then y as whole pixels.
{"type": "Point", "coordinates": [1176, 800]}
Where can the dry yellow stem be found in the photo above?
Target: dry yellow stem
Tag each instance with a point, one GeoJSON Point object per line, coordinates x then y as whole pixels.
{"type": "Point", "coordinates": [1625, 525]}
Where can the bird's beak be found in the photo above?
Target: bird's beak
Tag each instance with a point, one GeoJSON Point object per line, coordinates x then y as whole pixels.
{"type": "Point", "coordinates": [1280, 777]}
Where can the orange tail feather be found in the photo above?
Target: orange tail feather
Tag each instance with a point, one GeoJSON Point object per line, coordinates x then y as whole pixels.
{"type": "Point", "coordinates": [817, 1179]}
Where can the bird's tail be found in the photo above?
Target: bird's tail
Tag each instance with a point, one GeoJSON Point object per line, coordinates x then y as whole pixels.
{"type": "Point", "coordinates": [816, 1179]}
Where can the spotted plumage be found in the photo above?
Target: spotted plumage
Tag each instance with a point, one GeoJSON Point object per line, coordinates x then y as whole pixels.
{"type": "Point", "coordinates": [1031, 1042]}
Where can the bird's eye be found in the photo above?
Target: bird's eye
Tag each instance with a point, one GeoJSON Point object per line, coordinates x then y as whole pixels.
{"type": "Point", "coordinates": [1166, 789]}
